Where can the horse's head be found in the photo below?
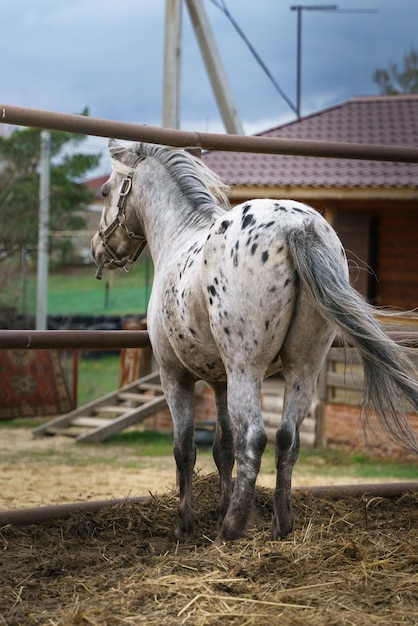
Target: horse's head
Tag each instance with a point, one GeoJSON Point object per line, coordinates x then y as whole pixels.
{"type": "Point", "coordinates": [119, 239]}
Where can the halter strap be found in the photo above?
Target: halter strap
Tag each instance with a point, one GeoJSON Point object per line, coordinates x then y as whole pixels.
{"type": "Point", "coordinates": [120, 221]}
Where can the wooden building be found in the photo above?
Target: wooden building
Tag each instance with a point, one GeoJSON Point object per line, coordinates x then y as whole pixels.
{"type": "Point", "coordinates": [372, 205]}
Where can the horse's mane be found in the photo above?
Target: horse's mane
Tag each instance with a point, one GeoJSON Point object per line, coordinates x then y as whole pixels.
{"type": "Point", "coordinates": [203, 188]}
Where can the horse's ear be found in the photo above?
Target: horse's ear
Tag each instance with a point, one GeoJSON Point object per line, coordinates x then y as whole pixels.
{"type": "Point", "coordinates": [113, 145]}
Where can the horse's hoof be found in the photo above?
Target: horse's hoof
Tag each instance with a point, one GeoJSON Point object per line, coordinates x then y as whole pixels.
{"type": "Point", "coordinates": [229, 534]}
{"type": "Point", "coordinates": [280, 531]}
{"type": "Point", "coordinates": [183, 536]}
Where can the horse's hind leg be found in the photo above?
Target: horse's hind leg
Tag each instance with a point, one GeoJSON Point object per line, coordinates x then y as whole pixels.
{"type": "Point", "coordinates": [303, 353]}
{"type": "Point", "coordinates": [223, 448]}
{"type": "Point", "coordinates": [178, 391]}
{"type": "Point", "coordinates": [296, 407]}
{"type": "Point", "coordinates": [250, 440]}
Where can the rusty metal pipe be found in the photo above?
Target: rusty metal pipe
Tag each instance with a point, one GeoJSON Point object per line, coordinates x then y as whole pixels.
{"type": "Point", "coordinates": [44, 514]}
{"type": "Point", "coordinates": [116, 339]}
{"type": "Point", "coordinates": [73, 339]}
{"type": "Point", "coordinates": [51, 120]}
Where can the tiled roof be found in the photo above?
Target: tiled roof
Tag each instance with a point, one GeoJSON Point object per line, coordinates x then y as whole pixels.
{"type": "Point", "coordinates": [95, 184]}
{"type": "Point", "coordinates": [391, 120]}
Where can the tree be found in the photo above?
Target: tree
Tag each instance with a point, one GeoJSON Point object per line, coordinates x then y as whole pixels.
{"type": "Point", "coordinates": [19, 186]}
{"type": "Point", "coordinates": [396, 80]}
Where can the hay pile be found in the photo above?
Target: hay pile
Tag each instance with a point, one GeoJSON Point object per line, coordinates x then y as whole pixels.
{"type": "Point", "coordinates": [350, 561]}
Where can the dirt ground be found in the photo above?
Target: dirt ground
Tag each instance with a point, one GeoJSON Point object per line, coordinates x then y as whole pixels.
{"type": "Point", "coordinates": [55, 472]}
{"type": "Point", "coordinates": [349, 561]}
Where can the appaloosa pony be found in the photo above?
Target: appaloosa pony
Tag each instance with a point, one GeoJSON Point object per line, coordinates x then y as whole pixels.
{"type": "Point", "coordinates": [238, 295]}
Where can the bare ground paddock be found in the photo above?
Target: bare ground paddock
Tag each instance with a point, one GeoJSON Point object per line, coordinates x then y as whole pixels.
{"type": "Point", "coordinates": [54, 470]}
{"type": "Point", "coordinates": [350, 561]}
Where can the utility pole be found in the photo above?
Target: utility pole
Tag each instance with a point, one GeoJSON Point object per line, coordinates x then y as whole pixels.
{"type": "Point", "coordinates": [43, 233]}
{"type": "Point", "coordinates": [211, 58]}
{"type": "Point", "coordinates": [299, 8]}
{"type": "Point", "coordinates": [172, 64]}
{"type": "Point", "coordinates": [214, 67]}
{"type": "Point", "coordinates": [321, 7]}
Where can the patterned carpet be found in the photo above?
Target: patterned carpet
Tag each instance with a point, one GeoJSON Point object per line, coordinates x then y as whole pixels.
{"type": "Point", "coordinates": [32, 384]}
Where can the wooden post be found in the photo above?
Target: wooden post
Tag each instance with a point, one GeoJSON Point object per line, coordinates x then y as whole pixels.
{"type": "Point", "coordinates": [134, 362]}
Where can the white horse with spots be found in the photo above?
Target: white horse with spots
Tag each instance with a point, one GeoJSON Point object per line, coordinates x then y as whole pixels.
{"type": "Point", "coordinates": [238, 295]}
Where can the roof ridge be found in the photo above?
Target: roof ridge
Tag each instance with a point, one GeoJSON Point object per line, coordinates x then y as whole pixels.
{"type": "Point", "coordinates": [398, 96]}
{"type": "Point", "coordinates": [298, 120]}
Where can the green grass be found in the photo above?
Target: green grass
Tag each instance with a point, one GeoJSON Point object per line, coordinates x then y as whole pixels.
{"type": "Point", "coordinates": [145, 443]}
{"type": "Point", "coordinates": [97, 377]}
{"type": "Point", "coordinates": [76, 291]}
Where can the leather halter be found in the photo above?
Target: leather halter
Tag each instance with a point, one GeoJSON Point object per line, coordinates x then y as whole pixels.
{"type": "Point", "coordinates": [120, 222]}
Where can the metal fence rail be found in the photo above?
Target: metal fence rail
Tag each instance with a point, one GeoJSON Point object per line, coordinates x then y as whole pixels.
{"type": "Point", "coordinates": [117, 339]}
{"type": "Point", "coordinates": [22, 116]}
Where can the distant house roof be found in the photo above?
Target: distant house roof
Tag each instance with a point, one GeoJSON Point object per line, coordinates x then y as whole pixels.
{"type": "Point", "coordinates": [391, 120]}
{"type": "Point", "coordinates": [95, 184]}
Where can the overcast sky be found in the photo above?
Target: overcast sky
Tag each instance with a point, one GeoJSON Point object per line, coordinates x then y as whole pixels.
{"type": "Point", "coordinates": [108, 56]}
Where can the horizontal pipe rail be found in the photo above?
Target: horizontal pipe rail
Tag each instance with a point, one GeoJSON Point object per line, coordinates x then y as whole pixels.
{"type": "Point", "coordinates": [116, 339]}
{"type": "Point", "coordinates": [51, 120]}
{"type": "Point", "coordinates": [73, 339]}
{"type": "Point", "coordinates": [49, 513]}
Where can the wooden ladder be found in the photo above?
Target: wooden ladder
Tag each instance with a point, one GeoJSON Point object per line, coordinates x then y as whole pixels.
{"type": "Point", "coordinates": [100, 419]}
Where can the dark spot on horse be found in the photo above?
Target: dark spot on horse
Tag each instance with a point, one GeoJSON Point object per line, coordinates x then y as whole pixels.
{"type": "Point", "coordinates": [254, 248]}
{"type": "Point", "coordinates": [180, 336]}
{"type": "Point", "coordinates": [223, 227]}
{"type": "Point", "coordinates": [297, 387]}
{"type": "Point", "coordinates": [276, 358]}
{"type": "Point", "coordinates": [216, 281]}
{"type": "Point", "coordinates": [234, 254]}
{"type": "Point", "coordinates": [247, 220]}
{"type": "Point", "coordinates": [226, 330]}
{"type": "Point", "coordinates": [265, 256]}
{"type": "Point", "coordinates": [267, 324]}
{"type": "Point", "coordinates": [210, 301]}
{"type": "Point", "coordinates": [298, 210]}
{"type": "Point", "coordinates": [280, 249]}
{"type": "Point", "coordinates": [208, 237]}
{"type": "Point", "coordinates": [268, 224]}
{"type": "Point", "coordinates": [245, 208]}
{"type": "Point", "coordinates": [212, 290]}
{"type": "Point", "coordinates": [286, 282]}
{"type": "Point", "coordinates": [192, 331]}
{"type": "Point", "coordinates": [224, 288]}
{"type": "Point", "coordinates": [273, 289]}
{"type": "Point", "coordinates": [280, 207]}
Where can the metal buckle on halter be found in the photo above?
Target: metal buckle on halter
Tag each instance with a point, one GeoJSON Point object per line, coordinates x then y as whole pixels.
{"type": "Point", "coordinates": [125, 188]}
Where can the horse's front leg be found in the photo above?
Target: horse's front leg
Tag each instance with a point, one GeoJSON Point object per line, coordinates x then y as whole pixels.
{"type": "Point", "coordinates": [178, 390]}
{"type": "Point", "coordinates": [250, 440]}
{"type": "Point", "coordinates": [223, 449]}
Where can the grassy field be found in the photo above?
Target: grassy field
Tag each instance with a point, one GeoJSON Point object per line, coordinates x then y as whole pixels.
{"type": "Point", "coordinates": [76, 291]}
{"type": "Point", "coordinates": [97, 377]}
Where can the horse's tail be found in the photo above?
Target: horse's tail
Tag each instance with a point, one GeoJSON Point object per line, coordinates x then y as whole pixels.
{"type": "Point", "coordinates": [389, 376]}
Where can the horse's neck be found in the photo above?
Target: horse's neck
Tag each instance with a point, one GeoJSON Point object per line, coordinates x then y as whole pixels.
{"type": "Point", "coordinates": [168, 222]}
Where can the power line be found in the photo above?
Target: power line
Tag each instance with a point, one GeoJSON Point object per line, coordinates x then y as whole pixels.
{"type": "Point", "coordinates": [221, 5]}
